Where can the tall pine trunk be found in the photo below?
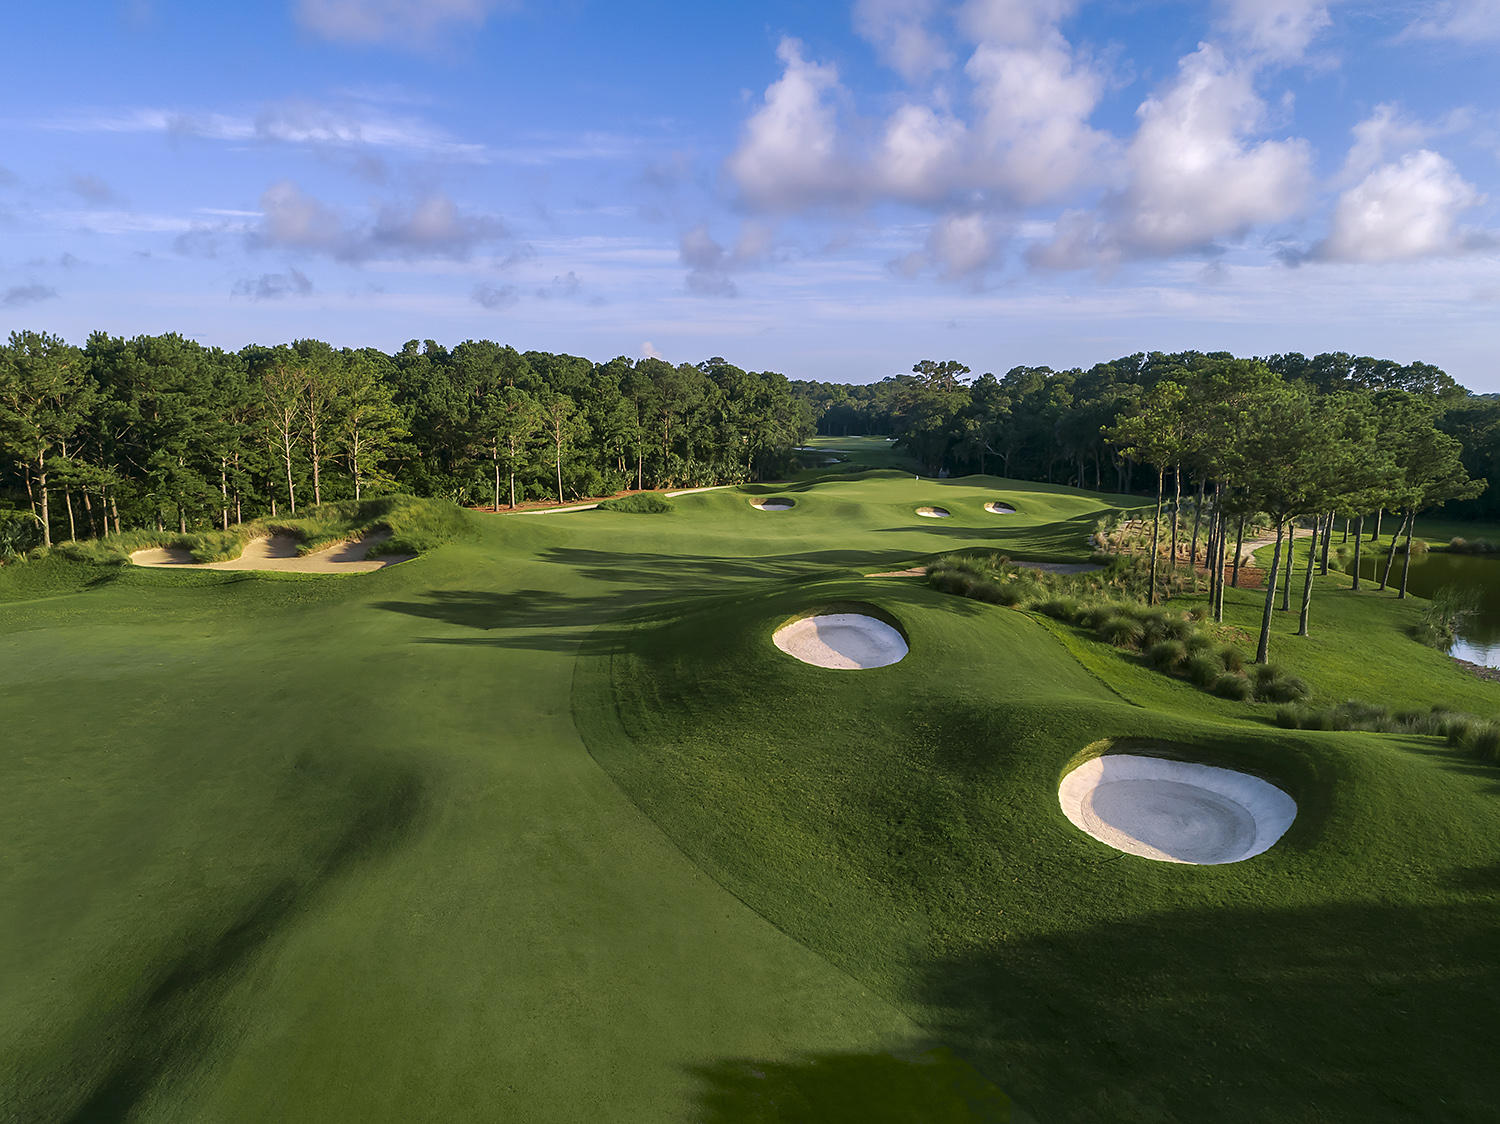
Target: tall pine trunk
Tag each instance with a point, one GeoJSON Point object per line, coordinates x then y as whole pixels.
{"type": "Point", "coordinates": [1389, 559]}
{"type": "Point", "coordinates": [72, 523]}
{"type": "Point", "coordinates": [1411, 519]}
{"type": "Point", "coordinates": [1155, 534]}
{"type": "Point", "coordinates": [1359, 533]}
{"type": "Point", "coordinates": [1239, 551]}
{"type": "Point", "coordinates": [1197, 515]}
{"type": "Point", "coordinates": [224, 493]}
{"type": "Point", "coordinates": [1291, 549]}
{"type": "Point", "coordinates": [1307, 578]}
{"type": "Point", "coordinates": [1263, 647]}
{"type": "Point", "coordinates": [1327, 537]}
{"type": "Point", "coordinates": [41, 478]}
{"type": "Point", "coordinates": [1176, 504]}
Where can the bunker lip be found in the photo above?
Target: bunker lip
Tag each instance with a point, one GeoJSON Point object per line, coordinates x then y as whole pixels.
{"type": "Point", "coordinates": [934, 513]}
{"type": "Point", "coordinates": [996, 507]}
{"type": "Point", "coordinates": [773, 503]}
{"type": "Point", "coordinates": [843, 637]}
{"type": "Point", "coordinates": [279, 553]}
{"type": "Point", "coordinates": [1175, 811]}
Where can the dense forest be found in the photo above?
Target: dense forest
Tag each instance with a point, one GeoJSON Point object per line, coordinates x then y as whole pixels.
{"type": "Point", "coordinates": [159, 431]}
{"type": "Point", "coordinates": [1036, 423]}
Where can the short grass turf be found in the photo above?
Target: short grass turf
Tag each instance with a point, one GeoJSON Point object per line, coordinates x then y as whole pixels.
{"type": "Point", "coordinates": [318, 848]}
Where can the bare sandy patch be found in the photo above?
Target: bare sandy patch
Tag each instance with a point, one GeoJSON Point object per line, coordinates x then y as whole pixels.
{"type": "Point", "coordinates": [1175, 811]}
{"type": "Point", "coordinates": [842, 641]}
{"type": "Point", "coordinates": [934, 513]}
{"type": "Point", "coordinates": [773, 503]}
{"type": "Point", "coordinates": [995, 507]}
{"type": "Point", "coordinates": [279, 553]}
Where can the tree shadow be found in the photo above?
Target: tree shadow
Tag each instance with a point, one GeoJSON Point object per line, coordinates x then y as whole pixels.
{"type": "Point", "coordinates": [933, 1086]}
{"type": "Point", "coordinates": [1348, 1012]}
{"type": "Point", "coordinates": [174, 1026]}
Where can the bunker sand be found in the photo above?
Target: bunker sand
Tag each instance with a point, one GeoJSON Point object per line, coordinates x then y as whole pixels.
{"type": "Point", "coordinates": [279, 553]}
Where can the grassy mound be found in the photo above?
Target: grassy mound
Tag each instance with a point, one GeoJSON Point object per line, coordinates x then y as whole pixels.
{"type": "Point", "coordinates": [904, 823]}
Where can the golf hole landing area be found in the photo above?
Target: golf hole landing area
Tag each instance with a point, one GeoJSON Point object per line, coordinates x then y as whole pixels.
{"type": "Point", "coordinates": [843, 641]}
{"type": "Point", "coordinates": [934, 513]}
{"type": "Point", "coordinates": [1175, 811]}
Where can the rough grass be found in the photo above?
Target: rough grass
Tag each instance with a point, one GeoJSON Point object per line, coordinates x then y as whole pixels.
{"type": "Point", "coordinates": [640, 503]}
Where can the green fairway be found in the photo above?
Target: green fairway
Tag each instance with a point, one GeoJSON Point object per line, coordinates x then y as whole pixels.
{"type": "Point", "coordinates": [540, 826]}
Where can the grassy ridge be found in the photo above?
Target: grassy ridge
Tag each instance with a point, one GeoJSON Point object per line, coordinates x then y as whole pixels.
{"type": "Point", "coordinates": [904, 822]}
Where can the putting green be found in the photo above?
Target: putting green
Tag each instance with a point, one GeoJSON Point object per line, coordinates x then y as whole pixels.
{"type": "Point", "coordinates": [307, 848]}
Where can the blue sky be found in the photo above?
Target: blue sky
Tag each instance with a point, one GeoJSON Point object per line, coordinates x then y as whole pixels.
{"type": "Point", "coordinates": [833, 191]}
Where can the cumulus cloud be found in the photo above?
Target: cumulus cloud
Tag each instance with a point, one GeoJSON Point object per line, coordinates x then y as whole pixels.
{"type": "Point", "coordinates": [494, 299]}
{"type": "Point", "coordinates": [565, 286]}
{"type": "Point", "coordinates": [960, 247]}
{"type": "Point", "coordinates": [1279, 30]}
{"type": "Point", "coordinates": [19, 295]}
{"type": "Point", "coordinates": [1463, 21]}
{"type": "Point", "coordinates": [273, 286]}
{"type": "Point", "coordinates": [1401, 211]}
{"type": "Point", "coordinates": [398, 22]}
{"type": "Point", "coordinates": [1034, 101]}
{"type": "Point", "coordinates": [434, 225]}
{"type": "Point", "coordinates": [1013, 21]}
{"type": "Point", "coordinates": [898, 30]}
{"type": "Point", "coordinates": [790, 155]}
{"type": "Point", "coordinates": [649, 351]}
{"type": "Point", "coordinates": [1027, 139]}
{"type": "Point", "coordinates": [1384, 132]}
{"type": "Point", "coordinates": [1193, 174]}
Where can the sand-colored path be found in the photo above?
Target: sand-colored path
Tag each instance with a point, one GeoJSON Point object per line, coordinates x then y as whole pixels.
{"type": "Point", "coordinates": [279, 552]}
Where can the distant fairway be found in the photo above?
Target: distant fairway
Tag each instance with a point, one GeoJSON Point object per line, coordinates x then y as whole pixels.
{"type": "Point", "coordinates": [541, 826]}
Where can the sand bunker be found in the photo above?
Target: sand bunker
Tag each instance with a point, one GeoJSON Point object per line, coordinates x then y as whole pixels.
{"type": "Point", "coordinates": [774, 503]}
{"type": "Point", "coordinates": [1175, 811]}
{"type": "Point", "coordinates": [844, 641]}
{"type": "Point", "coordinates": [279, 552]}
{"type": "Point", "coordinates": [934, 513]}
{"type": "Point", "coordinates": [995, 507]}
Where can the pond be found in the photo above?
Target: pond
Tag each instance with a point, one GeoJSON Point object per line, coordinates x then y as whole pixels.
{"type": "Point", "coordinates": [1479, 634]}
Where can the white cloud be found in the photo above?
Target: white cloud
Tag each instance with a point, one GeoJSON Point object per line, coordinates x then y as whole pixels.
{"type": "Point", "coordinates": [649, 350]}
{"type": "Point", "coordinates": [1402, 211]}
{"type": "Point", "coordinates": [921, 155]}
{"type": "Point", "coordinates": [1194, 177]}
{"type": "Point", "coordinates": [433, 225]}
{"type": "Point", "coordinates": [963, 246]}
{"type": "Point", "coordinates": [898, 31]}
{"type": "Point", "coordinates": [789, 156]}
{"type": "Point", "coordinates": [398, 22]}
{"type": "Point", "coordinates": [1465, 21]}
{"type": "Point", "coordinates": [1279, 30]}
{"type": "Point", "coordinates": [1378, 136]}
{"type": "Point", "coordinates": [1032, 137]}
{"type": "Point", "coordinates": [1013, 21]}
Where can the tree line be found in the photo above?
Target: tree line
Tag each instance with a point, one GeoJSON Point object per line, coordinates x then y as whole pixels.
{"type": "Point", "coordinates": [160, 431]}
{"type": "Point", "coordinates": [1285, 440]}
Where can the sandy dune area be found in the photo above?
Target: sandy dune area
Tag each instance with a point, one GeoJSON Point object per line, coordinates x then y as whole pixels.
{"type": "Point", "coordinates": [279, 552]}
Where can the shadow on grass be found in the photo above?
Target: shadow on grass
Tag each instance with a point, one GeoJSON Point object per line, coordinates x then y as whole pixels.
{"type": "Point", "coordinates": [1066, 539]}
{"type": "Point", "coordinates": [173, 1027]}
{"type": "Point", "coordinates": [932, 1087]}
{"type": "Point", "coordinates": [640, 587]}
{"type": "Point", "coordinates": [1350, 1012]}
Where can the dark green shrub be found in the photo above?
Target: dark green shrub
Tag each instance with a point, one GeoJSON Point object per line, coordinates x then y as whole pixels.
{"type": "Point", "coordinates": [1232, 686]}
{"type": "Point", "coordinates": [1167, 655]}
{"type": "Point", "coordinates": [1203, 669]}
{"type": "Point", "coordinates": [642, 503]}
{"type": "Point", "coordinates": [1122, 632]}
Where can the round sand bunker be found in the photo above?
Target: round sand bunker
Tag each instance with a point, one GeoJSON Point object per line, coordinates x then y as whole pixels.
{"type": "Point", "coordinates": [995, 507]}
{"type": "Point", "coordinates": [1175, 811]}
{"type": "Point", "coordinates": [934, 513]}
{"type": "Point", "coordinates": [774, 503]}
{"type": "Point", "coordinates": [843, 641]}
